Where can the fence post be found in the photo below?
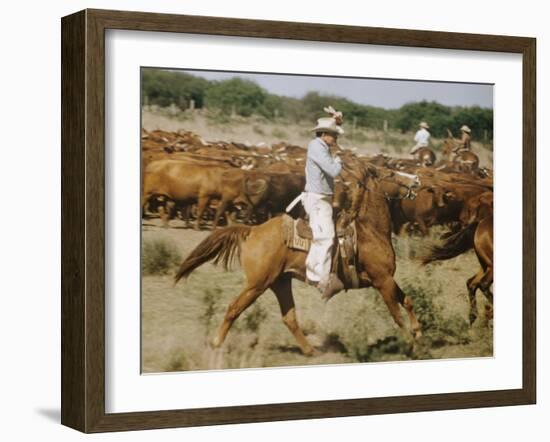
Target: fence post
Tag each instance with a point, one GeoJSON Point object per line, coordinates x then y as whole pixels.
{"type": "Point", "coordinates": [385, 125]}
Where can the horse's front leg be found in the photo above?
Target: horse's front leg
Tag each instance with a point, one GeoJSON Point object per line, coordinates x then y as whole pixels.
{"type": "Point", "coordinates": [282, 288]}
{"type": "Point", "coordinates": [393, 296]}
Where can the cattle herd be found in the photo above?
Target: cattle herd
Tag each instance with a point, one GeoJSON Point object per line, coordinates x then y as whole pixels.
{"type": "Point", "coordinates": [209, 184]}
{"type": "Point", "coordinates": [185, 176]}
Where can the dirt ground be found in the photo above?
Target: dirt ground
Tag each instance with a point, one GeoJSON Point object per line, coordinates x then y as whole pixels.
{"type": "Point", "coordinates": [256, 130]}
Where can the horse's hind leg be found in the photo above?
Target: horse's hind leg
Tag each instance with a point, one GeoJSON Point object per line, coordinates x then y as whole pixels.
{"type": "Point", "coordinates": [393, 296]}
{"type": "Point", "coordinates": [237, 306]}
{"type": "Point", "coordinates": [282, 288]}
{"type": "Point", "coordinates": [473, 285]}
{"type": "Point", "coordinates": [485, 286]}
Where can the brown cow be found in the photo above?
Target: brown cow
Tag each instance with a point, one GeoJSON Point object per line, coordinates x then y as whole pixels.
{"type": "Point", "coordinates": [421, 210]}
{"type": "Point", "coordinates": [271, 192]}
{"type": "Point", "coordinates": [258, 191]}
{"type": "Point", "coordinates": [477, 208]}
{"type": "Point", "coordinates": [180, 182]}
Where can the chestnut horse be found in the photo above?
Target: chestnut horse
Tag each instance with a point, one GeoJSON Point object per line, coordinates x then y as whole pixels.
{"type": "Point", "coordinates": [464, 161]}
{"type": "Point", "coordinates": [478, 235]}
{"type": "Point", "coordinates": [426, 156]}
{"type": "Point", "coordinates": [268, 263]}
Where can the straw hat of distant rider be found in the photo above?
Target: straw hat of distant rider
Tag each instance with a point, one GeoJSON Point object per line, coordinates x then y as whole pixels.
{"type": "Point", "coordinates": [321, 169]}
{"type": "Point", "coordinates": [465, 142]}
{"type": "Point", "coordinates": [422, 137]}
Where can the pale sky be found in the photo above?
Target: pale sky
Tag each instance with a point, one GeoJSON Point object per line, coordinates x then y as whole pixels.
{"type": "Point", "coordinates": [389, 94]}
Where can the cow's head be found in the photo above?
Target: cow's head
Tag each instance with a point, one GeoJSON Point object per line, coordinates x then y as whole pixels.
{"type": "Point", "coordinates": [477, 208]}
{"type": "Point", "coordinates": [255, 190]}
{"type": "Point", "coordinates": [438, 194]}
{"type": "Point", "coordinates": [441, 196]}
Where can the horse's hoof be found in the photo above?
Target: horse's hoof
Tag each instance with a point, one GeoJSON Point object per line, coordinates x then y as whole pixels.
{"type": "Point", "coordinates": [215, 343]}
{"type": "Point", "coordinates": [310, 352]}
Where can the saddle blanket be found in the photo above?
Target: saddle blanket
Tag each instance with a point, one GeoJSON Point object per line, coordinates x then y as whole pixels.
{"type": "Point", "coordinates": [297, 235]}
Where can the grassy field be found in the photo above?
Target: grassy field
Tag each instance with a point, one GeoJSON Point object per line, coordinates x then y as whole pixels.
{"type": "Point", "coordinates": [178, 322]}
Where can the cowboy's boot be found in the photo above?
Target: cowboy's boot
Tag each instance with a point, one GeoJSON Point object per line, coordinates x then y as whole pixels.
{"type": "Point", "coordinates": [332, 286]}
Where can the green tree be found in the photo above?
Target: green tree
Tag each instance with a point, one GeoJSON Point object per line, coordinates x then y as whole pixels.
{"type": "Point", "coordinates": [166, 87]}
{"type": "Point", "coordinates": [476, 118]}
{"type": "Point", "coordinates": [437, 115]}
{"type": "Point", "coordinates": [244, 96]}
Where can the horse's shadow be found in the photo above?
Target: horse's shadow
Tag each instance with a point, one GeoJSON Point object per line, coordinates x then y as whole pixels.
{"type": "Point", "coordinates": [293, 349]}
{"type": "Point", "coordinates": [331, 344]}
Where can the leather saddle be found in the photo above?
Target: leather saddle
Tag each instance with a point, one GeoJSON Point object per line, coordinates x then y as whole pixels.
{"type": "Point", "coordinates": [297, 235]}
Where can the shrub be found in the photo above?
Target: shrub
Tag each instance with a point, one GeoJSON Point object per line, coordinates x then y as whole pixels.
{"type": "Point", "coordinates": [209, 300]}
{"type": "Point", "coordinates": [279, 133]}
{"type": "Point", "coordinates": [258, 130]}
{"type": "Point", "coordinates": [158, 257]}
{"type": "Point", "coordinates": [355, 338]}
{"type": "Point", "coordinates": [438, 330]}
{"type": "Point", "coordinates": [254, 318]}
{"type": "Point", "coordinates": [177, 362]}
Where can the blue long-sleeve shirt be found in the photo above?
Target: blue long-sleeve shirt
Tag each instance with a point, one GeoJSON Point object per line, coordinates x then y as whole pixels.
{"type": "Point", "coordinates": [321, 169]}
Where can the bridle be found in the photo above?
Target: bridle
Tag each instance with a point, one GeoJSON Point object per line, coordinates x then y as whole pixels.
{"type": "Point", "coordinates": [410, 195]}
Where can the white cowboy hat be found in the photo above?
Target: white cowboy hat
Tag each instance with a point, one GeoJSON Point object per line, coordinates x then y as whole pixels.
{"type": "Point", "coordinates": [465, 129]}
{"type": "Point", "coordinates": [328, 125]}
{"type": "Point", "coordinates": [424, 125]}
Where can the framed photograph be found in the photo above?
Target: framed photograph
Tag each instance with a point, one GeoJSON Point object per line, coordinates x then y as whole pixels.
{"type": "Point", "coordinates": [267, 221]}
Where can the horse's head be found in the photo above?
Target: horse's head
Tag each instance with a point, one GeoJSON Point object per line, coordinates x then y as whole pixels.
{"type": "Point", "coordinates": [449, 145]}
{"type": "Point", "coordinates": [351, 185]}
{"type": "Point", "coordinates": [399, 185]}
{"type": "Point", "coordinates": [342, 194]}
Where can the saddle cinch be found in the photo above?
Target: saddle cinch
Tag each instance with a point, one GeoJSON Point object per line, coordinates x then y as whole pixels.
{"type": "Point", "coordinates": [297, 235]}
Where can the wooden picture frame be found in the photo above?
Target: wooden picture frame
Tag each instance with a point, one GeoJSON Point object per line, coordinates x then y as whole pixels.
{"type": "Point", "coordinates": [83, 220]}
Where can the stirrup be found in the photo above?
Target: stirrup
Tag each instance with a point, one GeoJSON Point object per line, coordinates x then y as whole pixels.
{"type": "Point", "coordinates": [333, 286]}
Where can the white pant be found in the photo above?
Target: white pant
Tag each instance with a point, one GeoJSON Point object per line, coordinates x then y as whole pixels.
{"type": "Point", "coordinates": [319, 209]}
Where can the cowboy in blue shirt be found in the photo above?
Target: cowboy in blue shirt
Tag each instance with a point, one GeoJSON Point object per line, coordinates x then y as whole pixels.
{"type": "Point", "coordinates": [321, 169]}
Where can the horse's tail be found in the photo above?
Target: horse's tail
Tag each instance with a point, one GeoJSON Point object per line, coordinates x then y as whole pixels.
{"type": "Point", "coordinates": [222, 246]}
{"type": "Point", "coordinates": [454, 245]}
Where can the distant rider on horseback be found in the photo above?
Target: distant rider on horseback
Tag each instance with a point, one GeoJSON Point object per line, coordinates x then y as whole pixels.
{"type": "Point", "coordinates": [321, 169]}
{"type": "Point", "coordinates": [465, 143]}
{"type": "Point", "coordinates": [422, 137]}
